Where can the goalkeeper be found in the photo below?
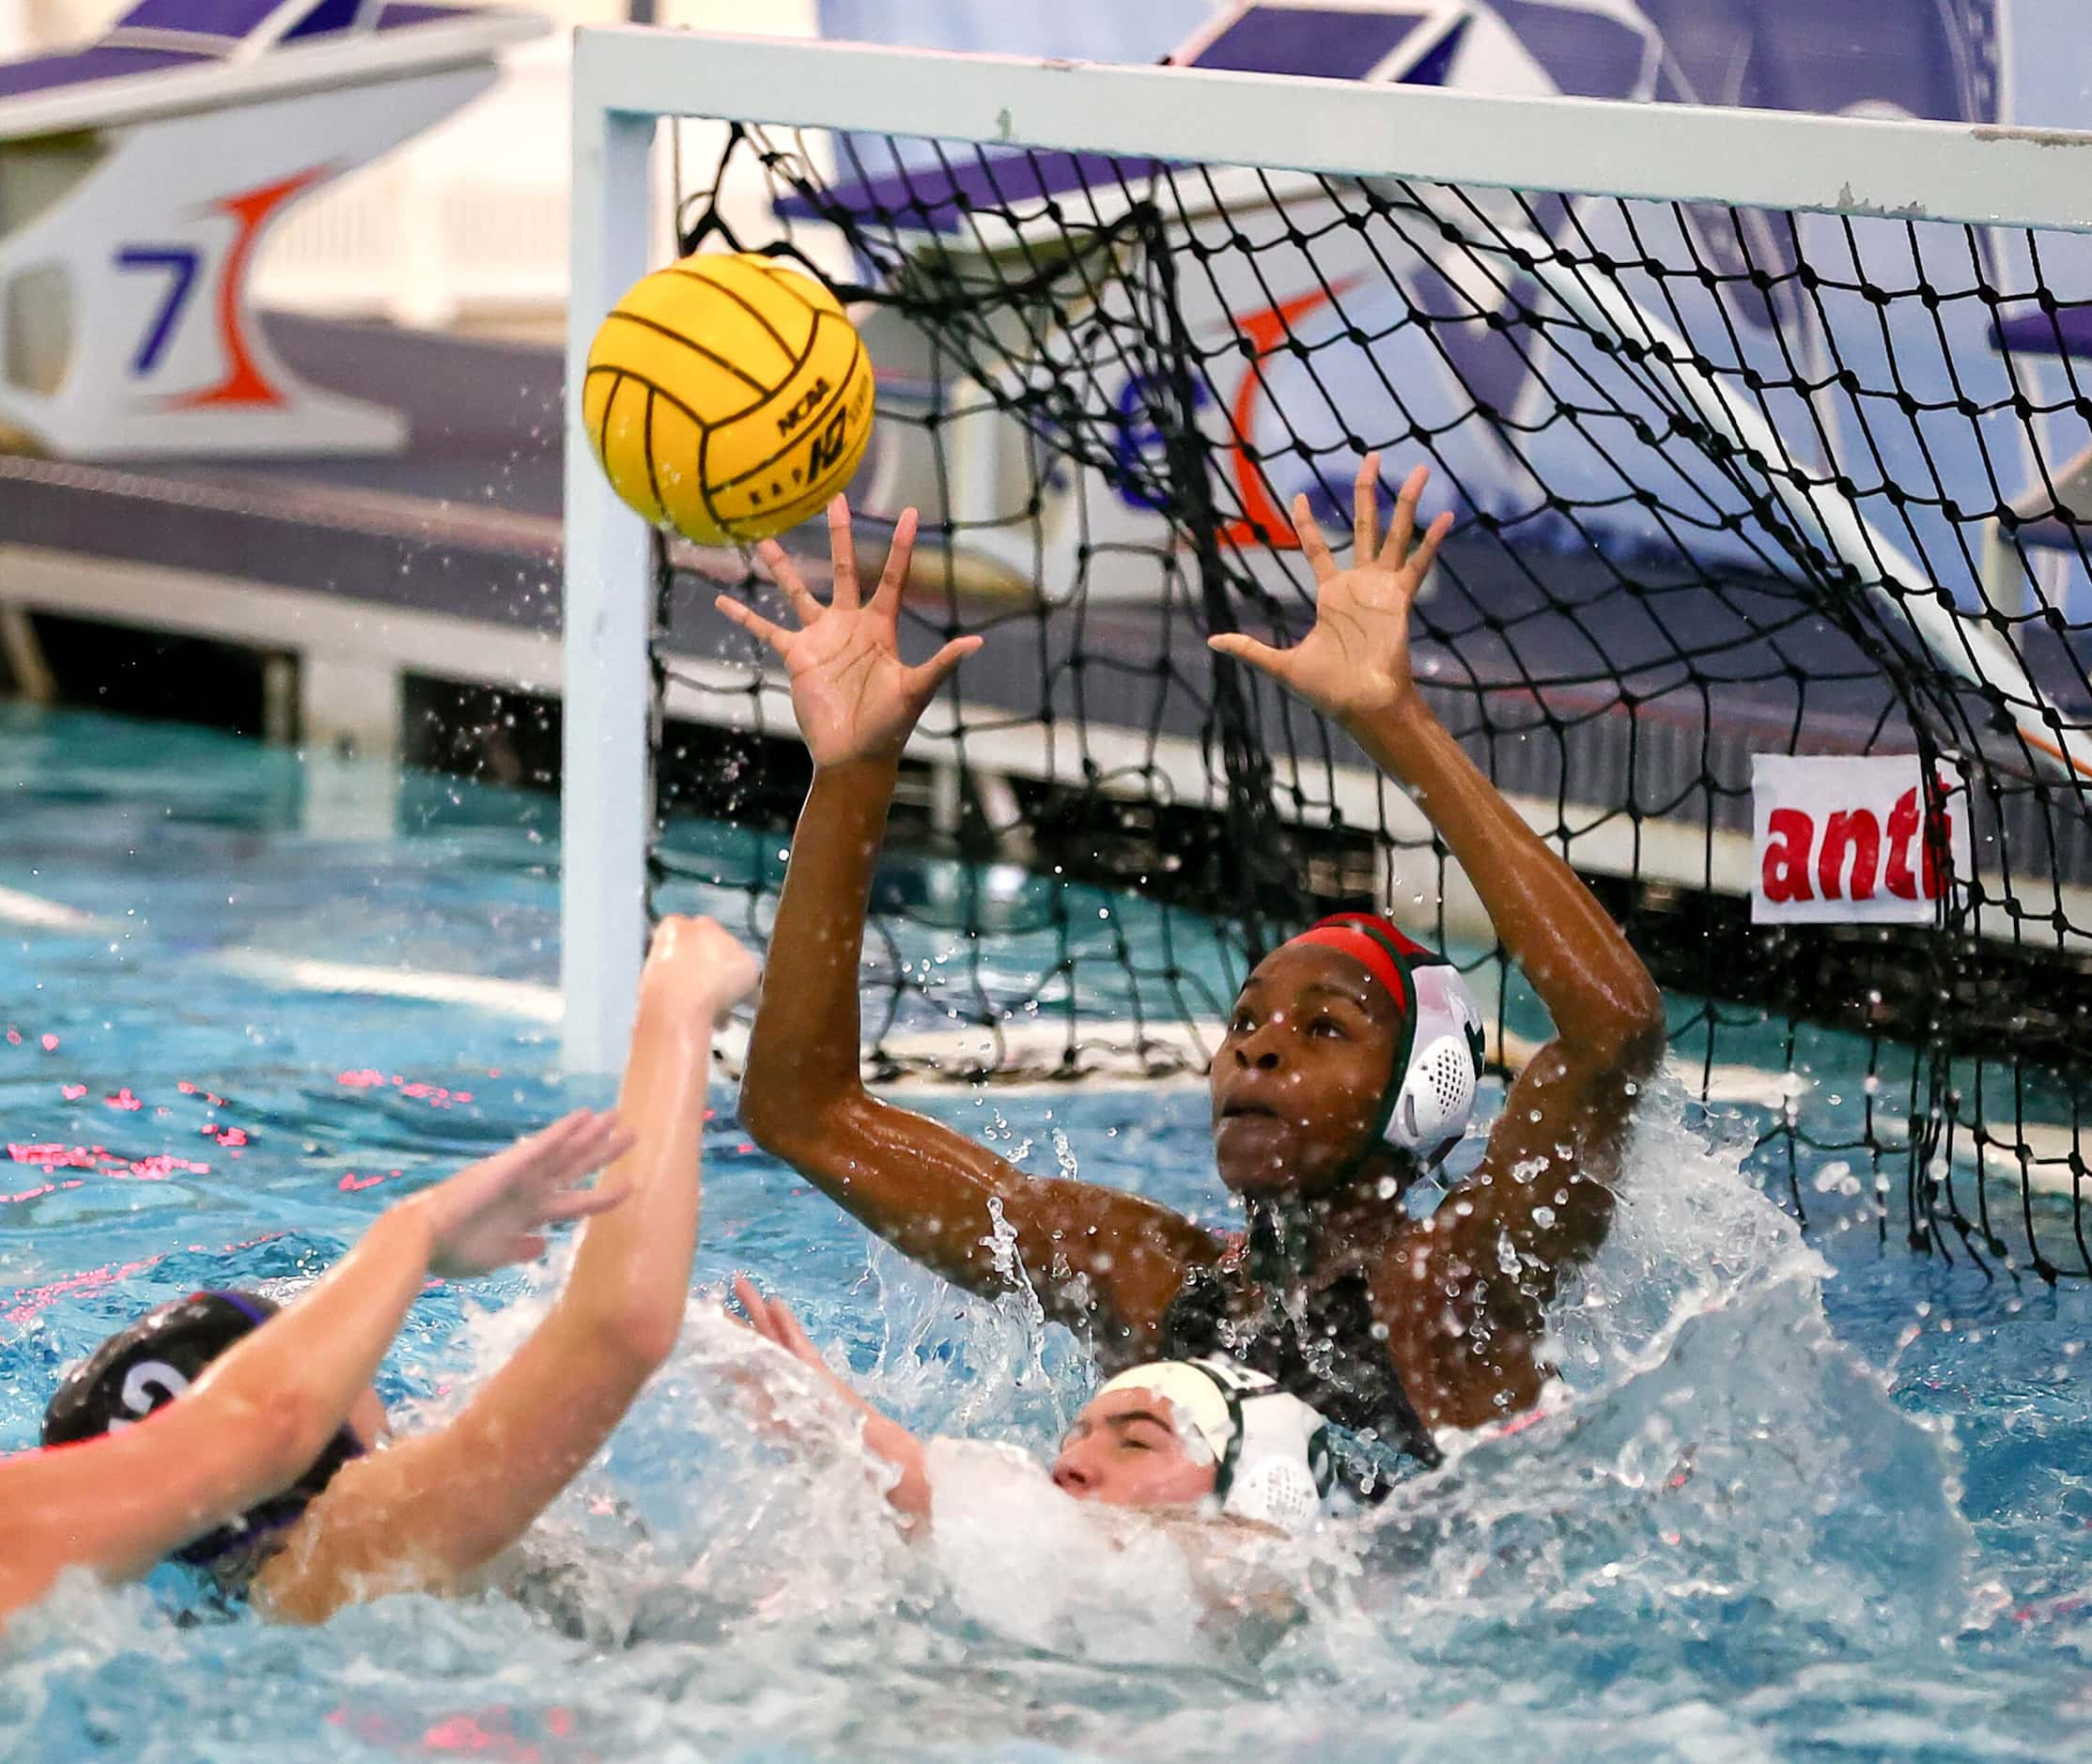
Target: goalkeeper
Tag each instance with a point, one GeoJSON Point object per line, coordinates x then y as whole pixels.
{"type": "Point", "coordinates": [1348, 1066]}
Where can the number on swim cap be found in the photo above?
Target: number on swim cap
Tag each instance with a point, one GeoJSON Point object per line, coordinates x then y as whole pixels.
{"type": "Point", "coordinates": [145, 1386]}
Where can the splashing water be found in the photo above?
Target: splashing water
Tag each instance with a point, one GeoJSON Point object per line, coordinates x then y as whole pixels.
{"type": "Point", "coordinates": [1724, 1473]}
{"type": "Point", "coordinates": [1797, 1495]}
{"type": "Point", "coordinates": [1722, 1499]}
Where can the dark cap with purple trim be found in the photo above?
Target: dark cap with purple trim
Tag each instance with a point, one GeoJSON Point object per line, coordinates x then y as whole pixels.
{"type": "Point", "coordinates": [147, 1366]}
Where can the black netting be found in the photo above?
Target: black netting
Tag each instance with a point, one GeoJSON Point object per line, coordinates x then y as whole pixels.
{"type": "Point", "coordinates": [1729, 482]}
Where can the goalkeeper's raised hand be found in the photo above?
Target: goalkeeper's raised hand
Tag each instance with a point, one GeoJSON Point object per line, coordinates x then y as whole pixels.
{"type": "Point", "coordinates": [853, 695]}
{"type": "Point", "coordinates": [1354, 664]}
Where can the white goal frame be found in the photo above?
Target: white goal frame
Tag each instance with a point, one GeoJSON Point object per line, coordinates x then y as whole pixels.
{"type": "Point", "coordinates": [626, 79]}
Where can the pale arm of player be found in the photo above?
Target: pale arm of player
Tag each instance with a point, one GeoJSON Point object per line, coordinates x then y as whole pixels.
{"type": "Point", "coordinates": [267, 1407]}
{"type": "Point", "coordinates": [885, 1438]}
{"type": "Point", "coordinates": [437, 1507]}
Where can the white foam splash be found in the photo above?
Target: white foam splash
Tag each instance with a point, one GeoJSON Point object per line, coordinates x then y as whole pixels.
{"type": "Point", "coordinates": [1717, 1450]}
{"type": "Point", "coordinates": [1723, 1465]}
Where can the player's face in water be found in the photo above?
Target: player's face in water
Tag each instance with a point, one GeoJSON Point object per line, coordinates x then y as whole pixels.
{"type": "Point", "coordinates": [1124, 1451]}
{"type": "Point", "coordinates": [1297, 1083]}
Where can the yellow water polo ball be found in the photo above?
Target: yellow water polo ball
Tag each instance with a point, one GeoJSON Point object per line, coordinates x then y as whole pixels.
{"type": "Point", "coordinates": [729, 396]}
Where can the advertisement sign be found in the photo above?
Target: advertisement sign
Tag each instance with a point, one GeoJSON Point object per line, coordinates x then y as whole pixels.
{"type": "Point", "coordinates": [1842, 840]}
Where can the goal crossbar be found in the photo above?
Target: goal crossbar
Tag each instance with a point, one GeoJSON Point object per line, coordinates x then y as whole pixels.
{"type": "Point", "coordinates": [1887, 169]}
{"type": "Point", "coordinates": [626, 79]}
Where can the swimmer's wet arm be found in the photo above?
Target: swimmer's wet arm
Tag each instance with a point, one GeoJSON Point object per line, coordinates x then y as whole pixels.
{"type": "Point", "coordinates": [885, 1438]}
{"type": "Point", "coordinates": [1606, 1008]}
{"type": "Point", "coordinates": [1544, 1180]}
{"type": "Point", "coordinates": [1354, 667]}
{"type": "Point", "coordinates": [924, 1187]}
{"type": "Point", "coordinates": [430, 1510]}
{"type": "Point", "coordinates": [269, 1406]}
{"type": "Point", "coordinates": [630, 1280]}
{"type": "Point", "coordinates": [1243, 1591]}
{"type": "Point", "coordinates": [927, 1189]}
{"type": "Point", "coordinates": [1543, 1183]}
{"type": "Point", "coordinates": [249, 1428]}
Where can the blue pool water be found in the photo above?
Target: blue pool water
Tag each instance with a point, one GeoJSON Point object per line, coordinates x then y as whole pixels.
{"type": "Point", "coordinates": [1810, 1497]}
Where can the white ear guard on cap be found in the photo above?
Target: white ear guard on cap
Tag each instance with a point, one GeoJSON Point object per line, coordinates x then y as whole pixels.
{"type": "Point", "coordinates": [1271, 1451]}
{"type": "Point", "coordinates": [1283, 1466]}
{"type": "Point", "coordinates": [1437, 1093]}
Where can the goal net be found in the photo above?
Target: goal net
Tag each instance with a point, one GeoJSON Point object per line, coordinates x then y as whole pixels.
{"type": "Point", "coordinates": [1765, 434]}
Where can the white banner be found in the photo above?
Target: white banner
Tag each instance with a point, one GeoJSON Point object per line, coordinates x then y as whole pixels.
{"type": "Point", "coordinates": [1840, 840]}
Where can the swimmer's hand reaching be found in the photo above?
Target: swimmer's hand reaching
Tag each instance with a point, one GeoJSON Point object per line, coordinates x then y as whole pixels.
{"type": "Point", "coordinates": [853, 695]}
{"type": "Point", "coordinates": [884, 1437]}
{"type": "Point", "coordinates": [1354, 664]}
{"type": "Point", "coordinates": [772, 1319]}
{"type": "Point", "coordinates": [495, 1211]}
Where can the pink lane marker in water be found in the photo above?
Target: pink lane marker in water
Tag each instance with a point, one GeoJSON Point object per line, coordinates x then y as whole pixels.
{"type": "Point", "coordinates": [465, 1733]}
{"type": "Point", "coordinates": [29, 1300]}
{"type": "Point", "coordinates": [51, 1156]}
{"type": "Point", "coordinates": [353, 1184]}
{"type": "Point", "coordinates": [14, 1036]}
{"type": "Point", "coordinates": [49, 1188]}
{"type": "Point", "coordinates": [161, 1166]}
{"type": "Point", "coordinates": [72, 1093]}
{"type": "Point", "coordinates": [435, 1095]}
{"type": "Point", "coordinates": [123, 1100]}
{"type": "Point", "coordinates": [49, 1042]}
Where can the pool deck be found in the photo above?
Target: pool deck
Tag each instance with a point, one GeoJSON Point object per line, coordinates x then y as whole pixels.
{"type": "Point", "coordinates": [445, 561]}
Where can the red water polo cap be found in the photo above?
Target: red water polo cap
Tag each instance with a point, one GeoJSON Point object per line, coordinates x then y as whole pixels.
{"type": "Point", "coordinates": [1378, 944]}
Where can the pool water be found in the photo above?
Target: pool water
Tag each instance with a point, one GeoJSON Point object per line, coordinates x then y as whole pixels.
{"type": "Point", "coordinates": [1810, 1496]}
